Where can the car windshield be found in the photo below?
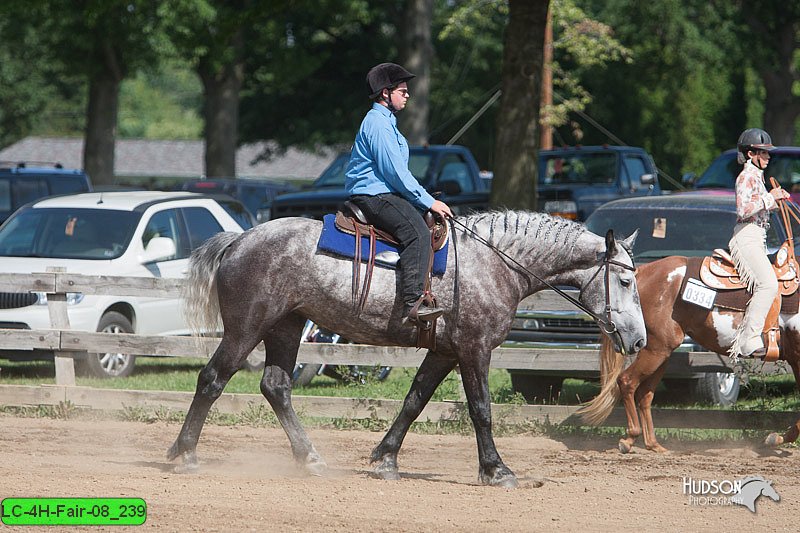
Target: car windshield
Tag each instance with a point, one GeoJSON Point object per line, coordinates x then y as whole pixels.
{"type": "Point", "coordinates": [722, 173]}
{"type": "Point", "coordinates": [68, 233]}
{"type": "Point", "coordinates": [665, 232]}
{"type": "Point", "coordinates": [333, 176]}
{"type": "Point", "coordinates": [594, 168]}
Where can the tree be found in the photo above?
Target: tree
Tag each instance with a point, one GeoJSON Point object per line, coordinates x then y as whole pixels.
{"type": "Point", "coordinates": [771, 39]}
{"type": "Point", "coordinates": [514, 184]}
{"type": "Point", "coordinates": [417, 57]}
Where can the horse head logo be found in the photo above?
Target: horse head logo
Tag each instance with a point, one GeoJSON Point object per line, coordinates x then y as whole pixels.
{"type": "Point", "coordinates": [752, 488]}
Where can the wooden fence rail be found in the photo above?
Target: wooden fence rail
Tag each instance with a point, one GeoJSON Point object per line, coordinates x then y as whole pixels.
{"type": "Point", "coordinates": [67, 344]}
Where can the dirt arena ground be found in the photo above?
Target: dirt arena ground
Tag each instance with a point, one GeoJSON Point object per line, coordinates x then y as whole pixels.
{"type": "Point", "coordinates": [247, 481]}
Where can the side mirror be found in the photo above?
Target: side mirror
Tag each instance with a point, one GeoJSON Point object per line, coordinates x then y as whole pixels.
{"type": "Point", "coordinates": [648, 179]}
{"type": "Point", "coordinates": [450, 187]}
{"type": "Point", "coordinates": [158, 249]}
{"type": "Point", "coordinates": [688, 179]}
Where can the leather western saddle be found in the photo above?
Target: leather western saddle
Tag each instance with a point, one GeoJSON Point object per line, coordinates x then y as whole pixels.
{"type": "Point", "coordinates": [351, 220]}
{"type": "Point", "coordinates": [719, 273]}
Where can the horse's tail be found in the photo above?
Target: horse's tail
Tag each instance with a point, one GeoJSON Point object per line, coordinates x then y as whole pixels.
{"type": "Point", "coordinates": [200, 290]}
{"type": "Point", "coordinates": [611, 366]}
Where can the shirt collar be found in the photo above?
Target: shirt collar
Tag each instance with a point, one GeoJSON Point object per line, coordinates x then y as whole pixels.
{"type": "Point", "coordinates": [383, 110]}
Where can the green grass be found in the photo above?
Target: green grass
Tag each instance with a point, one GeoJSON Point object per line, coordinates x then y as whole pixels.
{"type": "Point", "coordinates": [769, 392]}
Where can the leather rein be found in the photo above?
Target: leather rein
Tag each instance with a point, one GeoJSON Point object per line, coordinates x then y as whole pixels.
{"type": "Point", "coordinates": [606, 324]}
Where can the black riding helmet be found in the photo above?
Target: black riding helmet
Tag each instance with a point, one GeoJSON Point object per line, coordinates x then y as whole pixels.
{"type": "Point", "coordinates": [386, 76]}
{"type": "Point", "coordinates": [752, 138]}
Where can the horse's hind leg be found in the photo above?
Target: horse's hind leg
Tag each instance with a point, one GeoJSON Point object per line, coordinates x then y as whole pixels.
{"type": "Point", "coordinates": [792, 354]}
{"type": "Point", "coordinates": [211, 381]}
{"type": "Point", "coordinates": [282, 344]}
{"type": "Point", "coordinates": [431, 372]}
{"type": "Point", "coordinates": [475, 375]}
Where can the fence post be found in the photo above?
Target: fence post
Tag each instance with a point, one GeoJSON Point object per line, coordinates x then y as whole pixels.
{"type": "Point", "coordinates": [59, 319]}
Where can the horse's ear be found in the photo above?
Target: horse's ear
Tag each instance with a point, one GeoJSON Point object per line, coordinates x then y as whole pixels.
{"type": "Point", "coordinates": [629, 242]}
{"type": "Point", "coordinates": [610, 243]}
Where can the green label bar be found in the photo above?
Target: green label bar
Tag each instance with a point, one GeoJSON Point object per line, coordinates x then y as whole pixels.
{"type": "Point", "coordinates": [73, 511]}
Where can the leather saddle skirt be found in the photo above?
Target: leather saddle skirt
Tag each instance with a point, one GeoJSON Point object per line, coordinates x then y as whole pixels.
{"type": "Point", "coordinates": [718, 272]}
{"type": "Point", "coordinates": [348, 224]}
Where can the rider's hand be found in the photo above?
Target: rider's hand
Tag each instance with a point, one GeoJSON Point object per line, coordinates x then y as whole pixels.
{"type": "Point", "coordinates": [440, 208]}
{"type": "Point", "coordinates": [779, 193]}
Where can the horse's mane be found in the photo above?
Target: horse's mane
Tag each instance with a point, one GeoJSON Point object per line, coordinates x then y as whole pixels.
{"type": "Point", "coordinates": [526, 231]}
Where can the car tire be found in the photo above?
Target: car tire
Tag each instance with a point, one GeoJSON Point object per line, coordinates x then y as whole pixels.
{"type": "Point", "coordinates": [537, 389]}
{"type": "Point", "coordinates": [109, 365]}
{"type": "Point", "coordinates": [716, 388]}
{"type": "Point", "coordinates": [304, 373]}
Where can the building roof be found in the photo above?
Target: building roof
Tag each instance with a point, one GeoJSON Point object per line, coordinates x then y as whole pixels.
{"type": "Point", "coordinates": [171, 159]}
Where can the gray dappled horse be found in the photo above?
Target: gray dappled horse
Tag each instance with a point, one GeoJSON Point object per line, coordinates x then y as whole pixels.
{"type": "Point", "coordinates": [267, 282]}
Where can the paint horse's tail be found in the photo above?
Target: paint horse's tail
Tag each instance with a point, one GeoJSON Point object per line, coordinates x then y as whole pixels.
{"type": "Point", "coordinates": [611, 366]}
{"type": "Point", "coordinates": [200, 291]}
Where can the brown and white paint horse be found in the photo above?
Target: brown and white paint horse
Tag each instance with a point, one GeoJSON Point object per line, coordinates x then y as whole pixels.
{"type": "Point", "coordinates": [669, 320]}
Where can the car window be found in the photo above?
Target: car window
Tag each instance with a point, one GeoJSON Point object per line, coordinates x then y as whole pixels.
{"type": "Point", "coordinates": [253, 196]}
{"type": "Point", "coordinates": [5, 197]}
{"type": "Point", "coordinates": [721, 173]}
{"type": "Point", "coordinates": [455, 169]}
{"type": "Point", "coordinates": [201, 225]}
{"type": "Point", "coordinates": [333, 176]}
{"type": "Point", "coordinates": [785, 167]}
{"type": "Point", "coordinates": [664, 232]}
{"type": "Point", "coordinates": [67, 184]}
{"type": "Point", "coordinates": [237, 212]}
{"type": "Point", "coordinates": [419, 165]}
{"type": "Point", "coordinates": [633, 167]}
{"type": "Point", "coordinates": [166, 224]}
{"type": "Point", "coordinates": [68, 233]}
{"type": "Point", "coordinates": [593, 168]}
{"type": "Point", "coordinates": [27, 190]}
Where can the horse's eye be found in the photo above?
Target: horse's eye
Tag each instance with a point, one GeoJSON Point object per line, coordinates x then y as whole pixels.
{"type": "Point", "coordinates": [625, 282]}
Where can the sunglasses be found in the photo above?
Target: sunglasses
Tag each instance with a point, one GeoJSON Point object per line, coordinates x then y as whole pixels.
{"type": "Point", "coordinates": [403, 92]}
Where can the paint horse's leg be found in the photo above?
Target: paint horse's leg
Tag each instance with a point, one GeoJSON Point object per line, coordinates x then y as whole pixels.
{"type": "Point", "coordinates": [645, 365]}
{"type": "Point", "coordinates": [227, 359]}
{"type": "Point", "coordinates": [475, 375]}
{"type": "Point", "coordinates": [791, 351]}
{"type": "Point", "coordinates": [644, 397]}
{"type": "Point", "coordinates": [431, 372]}
{"type": "Point", "coordinates": [282, 344]}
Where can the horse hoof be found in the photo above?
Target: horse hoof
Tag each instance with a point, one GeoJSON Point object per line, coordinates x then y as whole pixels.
{"type": "Point", "coordinates": [624, 446]}
{"type": "Point", "coordinates": [386, 470]}
{"type": "Point", "coordinates": [186, 468]}
{"type": "Point", "coordinates": [503, 478]}
{"type": "Point", "coordinates": [658, 449]}
{"type": "Point", "coordinates": [316, 467]}
{"type": "Point", "coordinates": [773, 440]}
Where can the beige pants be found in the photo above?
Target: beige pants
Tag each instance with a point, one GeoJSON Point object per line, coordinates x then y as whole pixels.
{"type": "Point", "coordinates": [749, 252]}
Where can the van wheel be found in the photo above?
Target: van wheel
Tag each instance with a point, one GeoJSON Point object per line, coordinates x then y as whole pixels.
{"type": "Point", "coordinates": [109, 365]}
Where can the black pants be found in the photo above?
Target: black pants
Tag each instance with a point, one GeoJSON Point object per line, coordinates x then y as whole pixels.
{"type": "Point", "coordinates": [400, 218]}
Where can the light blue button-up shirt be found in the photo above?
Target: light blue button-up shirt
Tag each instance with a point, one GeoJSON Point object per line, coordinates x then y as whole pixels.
{"type": "Point", "coordinates": [379, 161]}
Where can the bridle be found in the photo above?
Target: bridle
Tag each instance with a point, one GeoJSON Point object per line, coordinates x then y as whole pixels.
{"type": "Point", "coordinates": [606, 324]}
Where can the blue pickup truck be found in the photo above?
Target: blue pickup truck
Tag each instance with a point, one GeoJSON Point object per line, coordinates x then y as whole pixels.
{"type": "Point", "coordinates": [574, 181]}
{"type": "Point", "coordinates": [450, 173]}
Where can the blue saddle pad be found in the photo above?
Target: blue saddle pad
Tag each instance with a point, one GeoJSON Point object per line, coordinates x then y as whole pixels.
{"type": "Point", "coordinates": [335, 241]}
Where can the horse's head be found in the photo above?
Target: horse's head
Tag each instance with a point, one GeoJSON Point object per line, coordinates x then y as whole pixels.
{"type": "Point", "coordinates": [610, 293]}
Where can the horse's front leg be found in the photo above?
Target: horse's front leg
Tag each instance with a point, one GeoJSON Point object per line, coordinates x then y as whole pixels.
{"type": "Point", "coordinates": [282, 344]}
{"type": "Point", "coordinates": [475, 376]}
{"type": "Point", "coordinates": [431, 372]}
{"type": "Point", "coordinates": [792, 354]}
{"type": "Point", "coordinates": [644, 397]}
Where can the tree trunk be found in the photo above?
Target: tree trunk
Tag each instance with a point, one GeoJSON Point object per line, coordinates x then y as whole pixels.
{"type": "Point", "coordinates": [781, 106]}
{"type": "Point", "coordinates": [221, 88]}
{"type": "Point", "coordinates": [101, 118]}
{"type": "Point", "coordinates": [418, 47]}
{"type": "Point", "coordinates": [514, 183]}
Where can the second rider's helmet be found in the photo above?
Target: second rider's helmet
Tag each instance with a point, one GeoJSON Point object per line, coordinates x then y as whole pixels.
{"type": "Point", "coordinates": [752, 139]}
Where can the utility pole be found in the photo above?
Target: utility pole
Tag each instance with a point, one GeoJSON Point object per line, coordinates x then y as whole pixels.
{"type": "Point", "coordinates": [546, 141]}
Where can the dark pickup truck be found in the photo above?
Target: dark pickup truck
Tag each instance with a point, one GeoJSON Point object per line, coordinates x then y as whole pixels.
{"type": "Point", "coordinates": [574, 181]}
{"type": "Point", "coordinates": [450, 173]}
